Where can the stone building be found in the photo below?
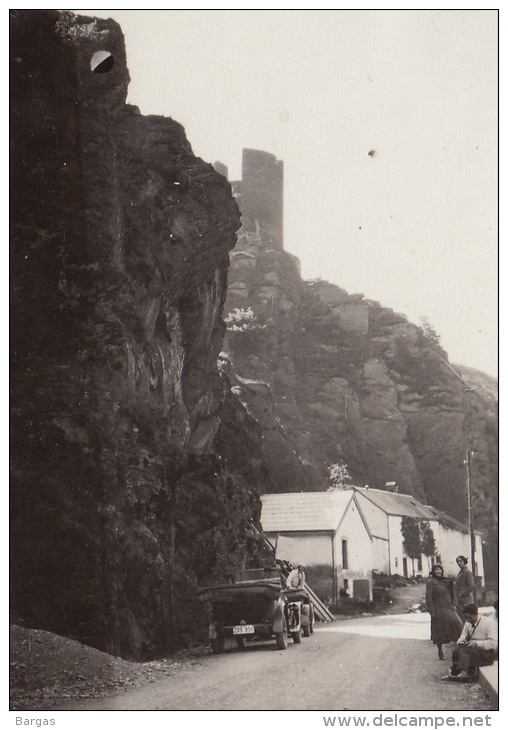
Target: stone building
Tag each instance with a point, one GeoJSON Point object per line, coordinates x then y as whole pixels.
{"type": "Point", "coordinates": [260, 195]}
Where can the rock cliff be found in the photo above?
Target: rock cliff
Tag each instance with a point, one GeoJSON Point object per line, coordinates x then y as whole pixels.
{"type": "Point", "coordinates": [134, 467]}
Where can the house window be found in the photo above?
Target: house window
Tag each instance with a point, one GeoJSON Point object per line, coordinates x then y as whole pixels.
{"type": "Point", "coordinates": [344, 555]}
{"type": "Point", "coordinates": [419, 564]}
{"type": "Point", "coordinates": [396, 562]}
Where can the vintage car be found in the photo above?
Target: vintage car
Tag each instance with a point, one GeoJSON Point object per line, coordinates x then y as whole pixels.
{"type": "Point", "coordinates": [254, 606]}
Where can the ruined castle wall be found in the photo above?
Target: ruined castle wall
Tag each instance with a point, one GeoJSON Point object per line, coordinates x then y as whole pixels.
{"type": "Point", "coordinates": [262, 196]}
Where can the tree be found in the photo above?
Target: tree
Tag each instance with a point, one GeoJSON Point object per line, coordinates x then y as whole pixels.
{"type": "Point", "coordinates": [340, 476]}
{"type": "Point", "coordinates": [428, 331]}
{"type": "Point", "coordinates": [410, 529]}
{"type": "Point", "coordinates": [427, 539]}
{"type": "Point", "coordinates": [242, 320]}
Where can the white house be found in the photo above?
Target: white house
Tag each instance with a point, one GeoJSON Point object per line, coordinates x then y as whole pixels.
{"type": "Point", "coordinates": [384, 512]}
{"type": "Point", "coordinates": [341, 536]}
{"type": "Point", "coordinates": [328, 533]}
{"type": "Point", "coordinates": [454, 539]}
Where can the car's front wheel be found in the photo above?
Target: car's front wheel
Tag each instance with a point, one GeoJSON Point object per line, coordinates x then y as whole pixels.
{"type": "Point", "coordinates": [281, 641]}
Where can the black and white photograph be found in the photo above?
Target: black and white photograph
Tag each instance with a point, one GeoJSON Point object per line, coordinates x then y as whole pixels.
{"type": "Point", "coordinates": [253, 367]}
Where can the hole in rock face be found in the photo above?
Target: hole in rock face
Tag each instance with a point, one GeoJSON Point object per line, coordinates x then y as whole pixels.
{"type": "Point", "coordinates": [102, 62]}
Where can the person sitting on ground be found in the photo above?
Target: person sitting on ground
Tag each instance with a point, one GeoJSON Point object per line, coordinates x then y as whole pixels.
{"type": "Point", "coordinates": [296, 579]}
{"type": "Point", "coordinates": [476, 647]}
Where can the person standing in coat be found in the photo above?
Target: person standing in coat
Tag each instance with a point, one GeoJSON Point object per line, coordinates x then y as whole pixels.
{"type": "Point", "coordinates": [464, 585]}
{"type": "Point", "coordinates": [445, 624]}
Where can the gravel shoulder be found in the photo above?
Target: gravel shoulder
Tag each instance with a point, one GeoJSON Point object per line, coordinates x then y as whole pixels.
{"type": "Point", "coordinates": [46, 669]}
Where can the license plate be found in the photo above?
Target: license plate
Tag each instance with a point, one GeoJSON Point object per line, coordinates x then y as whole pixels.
{"type": "Point", "coordinates": [247, 629]}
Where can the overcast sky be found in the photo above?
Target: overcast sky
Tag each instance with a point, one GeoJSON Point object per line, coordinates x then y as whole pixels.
{"type": "Point", "coordinates": [414, 224]}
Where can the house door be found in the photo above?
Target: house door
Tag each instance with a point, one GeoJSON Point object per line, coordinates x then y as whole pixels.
{"type": "Point", "coordinates": [404, 567]}
{"type": "Point", "coordinates": [361, 590]}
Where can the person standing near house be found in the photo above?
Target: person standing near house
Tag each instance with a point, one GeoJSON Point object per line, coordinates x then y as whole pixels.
{"type": "Point", "coordinates": [464, 585]}
{"type": "Point", "coordinates": [296, 579]}
{"type": "Point", "coordinates": [477, 645]}
{"type": "Point", "coordinates": [445, 624]}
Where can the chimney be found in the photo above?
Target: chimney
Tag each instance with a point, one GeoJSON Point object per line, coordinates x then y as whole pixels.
{"type": "Point", "coordinates": [391, 487]}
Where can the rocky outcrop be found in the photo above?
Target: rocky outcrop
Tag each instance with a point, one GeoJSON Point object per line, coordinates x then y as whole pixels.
{"type": "Point", "coordinates": [134, 468]}
{"type": "Point", "coordinates": [353, 382]}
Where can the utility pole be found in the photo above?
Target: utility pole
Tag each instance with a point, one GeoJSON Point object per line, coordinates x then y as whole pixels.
{"type": "Point", "coordinates": [469, 455]}
{"type": "Point", "coordinates": [468, 464]}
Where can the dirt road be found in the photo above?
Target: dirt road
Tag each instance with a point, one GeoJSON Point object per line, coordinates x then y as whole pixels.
{"type": "Point", "coordinates": [372, 663]}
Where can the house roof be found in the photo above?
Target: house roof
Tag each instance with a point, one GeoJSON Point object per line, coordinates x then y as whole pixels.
{"type": "Point", "coordinates": [323, 511]}
{"type": "Point", "coordinates": [395, 503]}
{"type": "Point", "coordinates": [304, 511]}
{"type": "Point", "coordinates": [405, 505]}
{"type": "Point", "coordinates": [451, 523]}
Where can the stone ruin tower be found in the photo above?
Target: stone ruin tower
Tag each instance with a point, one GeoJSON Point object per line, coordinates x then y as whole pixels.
{"type": "Point", "coordinates": [261, 196]}
{"type": "Point", "coordinates": [262, 276]}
